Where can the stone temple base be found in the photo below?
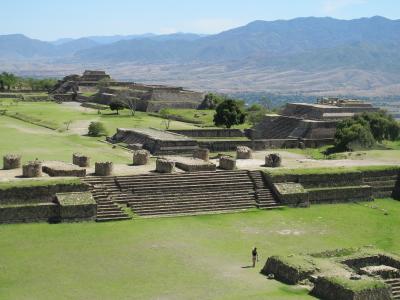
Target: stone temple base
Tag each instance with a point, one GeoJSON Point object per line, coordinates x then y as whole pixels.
{"type": "Point", "coordinates": [190, 164]}
{"type": "Point", "coordinates": [62, 169]}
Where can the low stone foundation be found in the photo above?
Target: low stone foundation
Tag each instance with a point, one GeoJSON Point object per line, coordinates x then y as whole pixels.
{"type": "Point", "coordinates": [273, 160]}
{"type": "Point", "coordinates": [62, 169]}
{"type": "Point", "coordinates": [164, 166]}
{"type": "Point", "coordinates": [203, 154]}
{"type": "Point", "coordinates": [104, 168]}
{"type": "Point", "coordinates": [331, 288]}
{"type": "Point", "coordinates": [243, 152]}
{"type": "Point", "coordinates": [193, 164]}
{"type": "Point", "coordinates": [141, 157]}
{"type": "Point", "coordinates": [287, 271]}
{"type": "Point", "coordinates": [32, 169]}
{"type": "Point", "coordinates": [227, 163]}
{"type": "Point", "coordinates": [11, 161]}
{"type": "Point", "coordinates": [76, 206]}
{"type": "Point", "coordinates": [81, 160]}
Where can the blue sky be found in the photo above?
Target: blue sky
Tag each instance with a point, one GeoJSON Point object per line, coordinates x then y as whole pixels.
{"type": "Point", "coordinates": [52, 19]}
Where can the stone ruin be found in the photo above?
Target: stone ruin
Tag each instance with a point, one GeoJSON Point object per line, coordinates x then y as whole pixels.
{"type": "Point", "coordinates": [273, 160]}
{"type": "Point", "coordinates": [141, 157]}
{"type": "Point", "coordinates": [104, 168]}
{"type": "Point", "coordinates": [243, 152]}
{"type": "Point", "coordinates": [32, 169]}
{"type": "Point", "coordinates": [227, 163]}
{"type": "Point", "coordinates": [309, 122]}
{"type": "Point", "coordinates": [11, 161]}
{"type": "Point", "coordinates": [165, 166]}
{"type": "Point", "coordinates": [81, 160]}
{"type": "Point", "coordinates": [201, 153]}
{"type": "Point", "coordinates": [190, 164]}
{"type": "Point", "coordinates": [62, 169]}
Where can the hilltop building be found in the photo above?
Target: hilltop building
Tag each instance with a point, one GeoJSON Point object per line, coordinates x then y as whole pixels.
{"type": "Point", "coordinates": [309, 121]}
{"type": "Point", "coordinates": [150, 98]}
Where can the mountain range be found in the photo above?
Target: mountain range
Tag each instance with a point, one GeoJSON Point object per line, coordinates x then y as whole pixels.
{"type": "Point", "coordinates": [367, 46]}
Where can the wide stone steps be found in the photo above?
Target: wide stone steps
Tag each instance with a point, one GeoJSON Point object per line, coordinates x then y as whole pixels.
{"type": "Point", "coordinates": [107, 210]}
{"type": "Point", "coordinates": [181, 193]}
{"type": "Point", "coordinates": [395, 286]}
{"type": "Point", "coordinates": [194, 210]}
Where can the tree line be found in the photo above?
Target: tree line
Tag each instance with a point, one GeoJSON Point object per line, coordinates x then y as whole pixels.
{"type": "Point", "coordinates": [9, 81]}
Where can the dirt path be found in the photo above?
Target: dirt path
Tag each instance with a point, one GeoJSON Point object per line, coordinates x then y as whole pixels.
{"type": "Point", "coordinates": [81, 126]}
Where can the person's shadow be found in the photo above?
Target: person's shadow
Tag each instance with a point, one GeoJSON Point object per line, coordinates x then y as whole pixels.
{"type": "Point", "coordinates": [247, 267]}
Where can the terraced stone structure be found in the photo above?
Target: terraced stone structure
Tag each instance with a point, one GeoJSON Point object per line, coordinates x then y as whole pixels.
{"type": "Point", "coordinates": [11, 161]}
{"type": "Point", "coordinates": [340, 273]}
{"type": "Point", "coordinates": [156, 141]}
{"type": "Point", "coordinates": [150, 98]}
{"type": "Point", "coordinates": [62, 169]}
{"type": "Point", "coordinates": [181, 193]}
{"type": "Point", "coordinates": [310, 123]}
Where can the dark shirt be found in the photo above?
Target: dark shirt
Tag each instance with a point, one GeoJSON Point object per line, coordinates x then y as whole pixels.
{"type": "Point", "coordinates": [254, 252]}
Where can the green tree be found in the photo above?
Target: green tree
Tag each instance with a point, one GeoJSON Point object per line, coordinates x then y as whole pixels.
{"type": "Point", "coordinates": [117, 105]}
{"type": "Point", "coordinates": [255, 113]}
{"type": "Point", "coordinates": [229, 113]}
{"type": "Point", "coordinates": [97, 129]}
{"type": "Point", "coordinates": [8, 80]}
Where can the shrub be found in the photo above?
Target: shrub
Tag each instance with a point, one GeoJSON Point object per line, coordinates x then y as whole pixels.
{"type": "Point", "coordinates": [229, 113]}
{"type": "Point", "coordinates": [117, 105]}
{"type": "Point", "coordinates": [97, 129]}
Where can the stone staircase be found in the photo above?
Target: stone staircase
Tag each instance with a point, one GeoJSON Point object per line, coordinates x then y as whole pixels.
{"type": "Point", "coordinates": [395, 286]}
{"type": "Point", "coordinates": [106, 194]}
{"type": "Point", "coordinates": [382, 186]}
{"type": "Point", "coordinates": [180, 193]}
{"type": "Point", "coordinates": [264, 197]}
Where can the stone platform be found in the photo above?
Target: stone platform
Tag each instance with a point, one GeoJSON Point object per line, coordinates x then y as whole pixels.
{"type": "Point", "coordinates": [62, 169]}
{"type": "Point", "coordinates": [190, 164]}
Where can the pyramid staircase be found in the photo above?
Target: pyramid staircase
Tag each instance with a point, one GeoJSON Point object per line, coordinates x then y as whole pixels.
{"type": "Point", "coordinates": [180, 194]}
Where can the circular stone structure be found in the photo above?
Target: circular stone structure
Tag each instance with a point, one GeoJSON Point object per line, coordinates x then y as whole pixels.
{"type": "Point", "coordinates": [203, 154]}
{"type": "Point", "coordinates": [141, 157]}
{"type": "Point", "coordinates": [11, 161]}
{"type": "Point", "coordinates": [164, 166]}
{"type": "Point", "coordinates": [104, 168]}
{"type": "Point", "coordinates": [32, 169]}
{"type": "Point", "coordinates": [273, 160]}
{"type": "Point", "coordinates": [227, 163]}
{"type": "Point", "coordinates": [243, 152]}
{"type": "Point", "coordinates": [81, 160]}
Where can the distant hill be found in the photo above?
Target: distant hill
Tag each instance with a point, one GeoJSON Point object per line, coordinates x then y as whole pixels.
{"type": "Point", "coordinates": [313, 55]}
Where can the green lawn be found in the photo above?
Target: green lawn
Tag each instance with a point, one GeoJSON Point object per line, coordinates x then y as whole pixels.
{"type": "Point", "coordinates": [182, 258]}
{"type": "Point", "coordinates": [56, 115]}
{"type": "Point", "coordinates": [33, 141]}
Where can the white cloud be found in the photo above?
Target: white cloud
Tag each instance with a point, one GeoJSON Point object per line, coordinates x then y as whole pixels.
{"type": "Point", "coordinates": [330, 6]}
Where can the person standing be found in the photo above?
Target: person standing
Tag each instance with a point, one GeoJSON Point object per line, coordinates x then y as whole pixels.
{"type": "Point", "coordinates": [254, 255]}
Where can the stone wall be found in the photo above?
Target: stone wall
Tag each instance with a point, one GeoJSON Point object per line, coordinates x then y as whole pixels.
{"type": "Point", "coordinates": [285, 271]}
{"type": "Point", "coordinates": [34, 212]}
{"type": "Point", "coordinates": [76, 206]}
{"type": "Point", "coordinates": [210, 133]}
{"type": "Point", "coordinates": [327, 288]}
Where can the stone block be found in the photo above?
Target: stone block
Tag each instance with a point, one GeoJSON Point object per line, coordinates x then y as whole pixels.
{"type": "Point", "coordinates": [104, 168]}
{"type": "Point", "coordinates": [11, 161]}
{"type": "Point", "coordinates": [32, 169]}
{"type": "Point", "coordinates": [273, 160]}
{"type": "Point", "coordinates": [202, 154]}
{"type": "Point", "coordinates": [164, 166]}
{"type": "Point", "coordinates": [227, 163]}
{"type": "Point", "coordinates": [81, 160]}
{"type": "Point", "coordinates": [244, 152]}
{"type": "Point", "coordinates": [141, 157]}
